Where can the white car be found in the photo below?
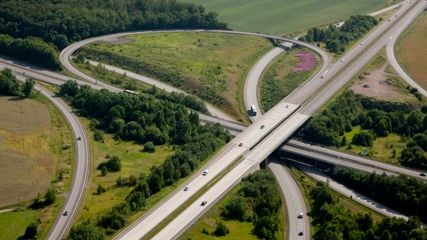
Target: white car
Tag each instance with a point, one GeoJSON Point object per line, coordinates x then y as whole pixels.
{"type": "Point", "coordinates": [300, 215]}
{"type": "Point", "coordinates": [205, 172]}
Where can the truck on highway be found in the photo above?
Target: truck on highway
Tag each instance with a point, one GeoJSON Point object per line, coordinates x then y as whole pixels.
{"type": "Point", "coordinates": [253, 110]}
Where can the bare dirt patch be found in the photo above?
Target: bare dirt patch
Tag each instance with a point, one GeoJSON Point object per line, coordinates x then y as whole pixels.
{"type": "Point", "coordinates": [379, 84]}
{"type": "Point", "coordinates": [26, 166]}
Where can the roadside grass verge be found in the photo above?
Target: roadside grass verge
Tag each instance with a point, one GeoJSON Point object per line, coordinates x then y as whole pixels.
{"type": "Point", "coordinates": [212, 66]}
{"type": "Point", "coordinates": [118, 80]}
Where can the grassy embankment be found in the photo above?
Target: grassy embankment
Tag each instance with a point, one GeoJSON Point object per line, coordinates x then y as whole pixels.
{"type": "Point", "coordinates": [283, 17]}
{"type": "Point", "coordinates": [212, 66]}
{"type": "Point", "coordinates": [412, 52]}
{"type": "Point", "coordinates": [306, 184]}
{"type": "Point", "coordinates": [204, 227]}
{"type": "Point", "coordinates": [287, 72]}
{"type": "Point", "coordinates": [112, 78]}
{"type": "Point", "coordinates": [37, 148]}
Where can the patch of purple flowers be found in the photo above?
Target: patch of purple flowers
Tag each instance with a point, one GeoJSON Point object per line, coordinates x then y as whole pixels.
{"type": "Point", "coordinates": [306, 61]}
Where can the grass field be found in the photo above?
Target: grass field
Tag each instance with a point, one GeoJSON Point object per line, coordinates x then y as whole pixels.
{"type": "Point", "coordinates": [210, 65]}
{"type": "Point", "coordinates": [13, 224]}
{"type": "Point", "coordinates": [238, 230]}
{"type": "Point", "coordinates": [32, 135]}
{"type": "Point", "coordinates": [134, 162]}
{"type": "Point", "coordinates": [412, 50]}
{"type": "Point", "coordinates": [386, 149]}
{"type": "Point", "coordinates": [286, 16]}
{"type": "Point", "coordinates": [280, 78]}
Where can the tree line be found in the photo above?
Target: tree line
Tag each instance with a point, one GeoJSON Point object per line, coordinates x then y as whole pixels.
{"type": "Point", "coordinates": [333, 222]}
{"type": "Point", "coordinates": [30, 49]}
{"type": "Point", "coordinates": [9, 85]}
{"type": "Point", "coordinates": [407, 195]}
{"type": "Point", "coordinates": [142, 118]}
{"type": "Point", "coordinates": [336, 38]}
{"type": "Point", "coordinates": [257, 201]}
{"type": "Point", "coordinates": [376, 118]}
{"type": "Point", "coordinates": [65, 21]}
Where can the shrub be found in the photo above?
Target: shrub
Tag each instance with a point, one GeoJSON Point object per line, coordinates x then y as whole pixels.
{"type": "Point", "coordinates": [221, 230]}
{"type": "Point", "coordinates": [149, 147]}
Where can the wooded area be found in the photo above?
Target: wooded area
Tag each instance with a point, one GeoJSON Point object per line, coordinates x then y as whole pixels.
{"type": "Point", "coordinates": [376, 119]}
{"type": "Point", "coordinates": [333, 222]}
{"type": "Point", "coordinates": [65, 21]}
{"type": "Point", "coordinates": [143, 118]}
{"type": "Point", "coordinates": [404, 194]}
{"type": "Point", "coordinates": [336, 38]}
{"type": "Point", "coordinates": [30, 29]}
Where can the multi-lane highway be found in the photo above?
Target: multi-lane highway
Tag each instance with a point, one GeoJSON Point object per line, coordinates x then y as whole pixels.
{"type": "Point", "coordinates": [233, 151]}
{"type": "Point", "coordinates": [266, 130]}
{"type": "Point", "coordinates": [341, 75]}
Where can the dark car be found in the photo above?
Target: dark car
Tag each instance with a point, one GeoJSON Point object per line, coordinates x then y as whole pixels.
{"type": "Point", "coordinates": [79, 138]}
{"type": "Point", "coordinates": [65, 213]}
{"type": "Point", "coordinates": [300, 233]}
{"type": "Point", "coordinates": [204, 203]}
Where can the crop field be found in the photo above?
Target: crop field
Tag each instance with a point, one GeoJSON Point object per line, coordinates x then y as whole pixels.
{"type": "Point", "coordinates": [212, 66]}
{"type": "Point", "coordinates": [412, 50]}
{"type": "Point", "coordinates": [286, 16]}
{"type": "Point", "coordinates": [25, 165]}
{"type": "Point", "coordinates": [286, 73]}
{"type": "Point", "coordinates": [33, 134]}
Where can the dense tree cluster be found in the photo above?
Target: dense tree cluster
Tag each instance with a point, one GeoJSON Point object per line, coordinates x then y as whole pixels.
{"type": "Point", "coordinates": [86, 231]}
{"type": "Point", "coordinates": [147, 120]}
{"type": "Point", "coordinates": [9, 85]}
{"type": "Point", "coordinates": [376, 119]}
{"type": "Point", "coordinates": [337, 38]}
{"type": "Point", "coordinates": [257, 201]}
{"type": "Point", "coordinates": [31, 49]}
{"type": "Point", "coordinates": [334, 222]}
{"type": "Point", "coordinates": [404, 194]}
{"type": "Point", "coordinates": [64, 21]}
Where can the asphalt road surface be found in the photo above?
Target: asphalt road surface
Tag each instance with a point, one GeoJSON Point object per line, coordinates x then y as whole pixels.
{"type": "Point", "coordinates": [250, 89]}
{"type": "Point", "coordinates": [279, 134]}
{"type": "Point", "coordinates": [294, 200]}
{"type": "Point", "coordinates": [355, 196]}
{"type": "Point", "coordinates": [391, 56]}
{"type": "Point", "coordinates": [81, 167]}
